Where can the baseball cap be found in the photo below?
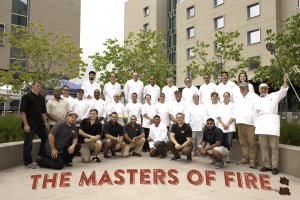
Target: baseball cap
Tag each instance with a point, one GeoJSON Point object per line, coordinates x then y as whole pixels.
{"type": "Point", "coordinates": [243, 84]}
{"type": "Point", "coordinates": [72, 113]}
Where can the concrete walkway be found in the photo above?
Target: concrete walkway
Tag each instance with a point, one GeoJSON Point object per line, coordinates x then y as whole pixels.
{"type": "Point", "coordinates": [16, 183]}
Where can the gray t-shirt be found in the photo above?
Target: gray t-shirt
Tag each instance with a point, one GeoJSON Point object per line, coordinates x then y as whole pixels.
{"type": "Point", "coordinates": [63, 134]}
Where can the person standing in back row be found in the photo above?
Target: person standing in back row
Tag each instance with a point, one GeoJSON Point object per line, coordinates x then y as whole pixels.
{"type": "Point", "coordinates": [90, 86]}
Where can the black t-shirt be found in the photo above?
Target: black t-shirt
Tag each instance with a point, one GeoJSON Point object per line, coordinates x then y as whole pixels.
{"type": "Point", "coordinates": [216, 134]}
{"type": "Point", "coordinates": [134, 131]}
{"type": "Point", "coordinates": [63, 134]}
{"type": "Point", "coordinates": [114, 130]}
{"type": "Point", "coordinates": [33, 106]}
{"type": "Point", "coordinates": [87, 127]}
{"type": "Point", "coordinates": [181, 133]}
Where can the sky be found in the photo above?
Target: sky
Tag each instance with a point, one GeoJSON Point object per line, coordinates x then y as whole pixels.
{"type": "Point", "coordinates": [100, 20]}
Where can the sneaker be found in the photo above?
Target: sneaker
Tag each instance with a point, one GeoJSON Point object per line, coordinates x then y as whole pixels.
{"type": "Point", "coordinates": [31, 166]}
{"type": "Point", "coordinates": [176, 158]}
{"type": "Point", "coordinates": [264, 169]}
{"type": "Point", "coordinates": [96, 159]}
{"type": "Point", "coordinates": [252, 165]}
{"type": "Point", "coordinates": [275, 171]}
{"type": "Point", "coordinates": [243, 161]}
{"type": "Point", "coordinates": [68, 164]}
{"type": "Point", "coordinates": [213, 162]}
{"type": "Point", "coordinates": [189, 158]}
{"type": "Point", "coordinates": [219, 164]}
{"type": "Point", "coordinates": [136, 154]}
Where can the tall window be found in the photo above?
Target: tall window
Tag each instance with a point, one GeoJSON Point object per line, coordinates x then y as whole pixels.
{"type": "Point", "coordinates": [298, 3]}
{"type": "Point", "coordinates": [146, 11]}
{"type": "Point", "coordinates": [190, 32]}
{"type": "Point", "coordinates": [254, 62]}
{"type": "Point", "coordinates": [253, 36]}
{"type": "Point", "coordinates": [190, 11]}
{"type": "Point", "coordinates": [189, 52]}
{"type": "Point", "coordinates": [253, 10]}
{"type": "Point", "coordinates": [218, 2]}
{"type": "Point", "coordinates": [218, 67]}
{"type": "Point", "coordinates": [19, 15]}
{"type": "Point", "coordinates": [2, 30]}
{"type": "Point", "coordinates": [219, 22]}
{"type": "Point", "coordinates": [146, 27]}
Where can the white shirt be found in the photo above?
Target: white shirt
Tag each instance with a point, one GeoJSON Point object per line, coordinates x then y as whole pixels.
{"type": "Point", "coordinates": [96, 104]}
{"type": "Point", "coordinates": [81, 108]}
{"type": "Point", "coordinates": [196, 116]}
{"type": "Point", "coordinates": [58, 108]}
{"type": "Point", "coordinates": [132, 86]}
{"type": "Point", "coordinates": [150, 110]}
{"type": "Point", "coordinates": [169, 93]}
{"type": "Point", "coordinates": [226, 112]}
{"type": "Point", "coordinates": [230, 87]}
{"type": "Point", "coordinates": [244, 108]}
{"type": "Point", "coordinates": [115, 107]}
{"type": "Point", "coordinates": [69, 99]}
{"type": "Point", "coordinates": [110, 90]}
{"type": "Point", "coordinates": [205, 91]}
{"type": "Point", "coordinates": [268, 120]}
{"type": "Point", "coordinates": [134, 109]}
{"type": "Point", "coordinates": [162, 110]}
{"type": "Point", "coordinates": [154, 91]}
{"type": "Point", "coordinates": [213, 111]}
{"type": "Point", "coordinates": [89, 88]}
{"type": "Point", "coordinates": [157, 133]}
{"type": "Point", "coordinates": [187, 94]}
{"type": "Point", "coordinates": [176, 107]}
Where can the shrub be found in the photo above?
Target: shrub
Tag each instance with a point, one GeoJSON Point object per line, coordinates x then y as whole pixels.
{"type": "Point", "coordinates": [290, 133]}
{"type": "Point", "coordinates": [10, 128]}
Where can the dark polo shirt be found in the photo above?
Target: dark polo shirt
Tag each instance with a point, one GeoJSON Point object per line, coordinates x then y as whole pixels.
{"type": "Point", "coordinates": [133, 131]}
{"type": "Point", "coordinates": [91, 129]}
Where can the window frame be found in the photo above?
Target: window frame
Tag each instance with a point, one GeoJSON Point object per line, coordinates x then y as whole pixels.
{"type": "Point", "coordinates": [146, 27]}
{"type": "Point", "coordinates": [2, 41]}
{"type": "Point", "coordinates": [248, 10]}
{"type": "Point", "coordinates": [249, 34]}
{"type": "Point", "coordinates": [216, 3]}
{"type": "Point", "coordinates": [146, 11]}
{"type": "Point", "coordinates": [188, 12]}
{"type": "Point", "coordinates": [249, 62]}
{"type": "Point", "coordinates": [189, 53]}
{"type": "Point", "coordinates": [216, 22]}
{"type": "Point", "coordinates": [188, 32]}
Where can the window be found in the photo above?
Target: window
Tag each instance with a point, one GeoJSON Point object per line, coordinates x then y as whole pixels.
{"type": "Point", "coordinates": [219, 22]}
{"type": "Point", "coordinates": [253, 10]}
{"type": "Point", "coordinates": [218, 67]}
{"type": "Point", "coordinates": [190, 11]}
{"type": "Point", "coordinates": [20, 7]}
{"type": "Point", "coordinates": [146, 11]}
{"type": "Point", "coordinates": [298, 3]}
{"type": "Point", "coordinates": [253, 36]}
{"type": "Point", "coordinates": [189, 52]}
{"type": "Point", "coordinates": [218, 2]}
{"type": "Point", "coordinates": [189, 74]}
{"type": "Point", "coordinates": [190, 32]}
{"type": "Point", "coordinates": [2, 30]}
{"type": "Point", "coordinates": [254, 62]}
{"type": "Point", "coordinates": [146, 27]}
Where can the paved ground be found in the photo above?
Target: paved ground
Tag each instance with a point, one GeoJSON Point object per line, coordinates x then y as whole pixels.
{"type": "Point", "coordinates": [16, 183]}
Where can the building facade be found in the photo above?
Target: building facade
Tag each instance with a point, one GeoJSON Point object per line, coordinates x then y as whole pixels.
{"type": "Point", "coordinates": [186, 21]}
{"type": "Point", "coordinates": [61, 17]}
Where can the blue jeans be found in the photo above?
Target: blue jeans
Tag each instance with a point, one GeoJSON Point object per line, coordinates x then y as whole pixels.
{"type": "Point", "coordinates": [41, 131]}
{"type": "Point", "coordinates": [229, 136]}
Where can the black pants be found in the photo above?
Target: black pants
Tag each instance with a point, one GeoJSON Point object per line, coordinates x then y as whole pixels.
{"type": "Point", "coordinates": [60, 160]}
{"type": "Point", "coordinates": [146, 144]}
{"type": "Point", "coordinates": [41, 131]}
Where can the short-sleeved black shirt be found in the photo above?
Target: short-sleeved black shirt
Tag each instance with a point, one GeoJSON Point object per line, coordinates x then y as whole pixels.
{"type": "Point", "coordinates": [63, 134]}
{"type": "Point", "coordinates": [87, 127]}
{"type": "Point", "coordinates": [216, 134]}
{"type": "Point", "coordinates": [134, 131]}
{"type": "Point", "coordinates": [33, 106]}
{"type": "Point", "coordinates": [114, 130]}
{"type": "Point", "coordinates": [181, 133]}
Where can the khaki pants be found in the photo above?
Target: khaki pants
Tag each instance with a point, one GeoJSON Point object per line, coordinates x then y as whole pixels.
{"type": "Point", "coordinates": [248, 142]}
{"type": "Point", "coordinates": [185, 151]}
{"type": "Point", "coordinates": [137, 147]}
{"type": "Point", "coordinates": [270, 150]}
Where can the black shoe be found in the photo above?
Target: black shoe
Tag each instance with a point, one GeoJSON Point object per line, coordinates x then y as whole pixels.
{"type": "Point", "coordinates": [176, 158]}
{"type": "Point", "coordinates": [68, 164]}
{"type": "Point", "coordinates": [136, 154]}
{"type": "Point", "coordinates": [264, 169]}
{"type": "Point", "coordinates": [96, 159]}
{"type": "Point", "coordinates": [163, 155]}
{"type": "Point", "coordinates": [275, 171]}
{"type": "Point", "coordinates": [189, 158]}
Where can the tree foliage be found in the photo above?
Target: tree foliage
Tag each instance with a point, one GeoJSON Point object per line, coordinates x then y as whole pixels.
{"type": "Point", "coordinates": [227, 51]}
{"type": "Point", "coordinates": [287, 43]}
{"type": "Point", "coordinates": [143, 52]}
{"type": "Point", "coordinates": [49, 56]}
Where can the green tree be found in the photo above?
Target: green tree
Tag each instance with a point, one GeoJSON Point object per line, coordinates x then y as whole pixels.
{"type": "Point", "coordinates": [287, 43]}
{"type": "Point", "coordinates": [227, 52]}
{"type": "Point", "coordinates": [143, 52]}
{"type": "Point", "coordinates": [49, 56]}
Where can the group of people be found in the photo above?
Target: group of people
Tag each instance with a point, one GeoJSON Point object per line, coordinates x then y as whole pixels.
{"type": "Point", "coordinates": [188, 122]}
